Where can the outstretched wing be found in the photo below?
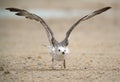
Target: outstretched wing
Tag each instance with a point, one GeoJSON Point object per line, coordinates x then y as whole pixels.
{"type": "Point", "coordinates": [28, 15]}
{"type": "Point", "coordinates": [65, 41]}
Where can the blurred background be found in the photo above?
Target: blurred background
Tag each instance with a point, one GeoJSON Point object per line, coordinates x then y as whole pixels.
{"type": "Point", "coordinates": [21, 38]}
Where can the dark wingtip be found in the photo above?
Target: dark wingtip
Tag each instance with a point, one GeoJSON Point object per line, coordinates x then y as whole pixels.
{"type": "Point", "coordinates": [109, 7]}
{"type": "Point", "coordinates": [106, 8]}
{"type": "Point", "coordinates": [102, 10]}
{"type": "Point", "coordinates": [13, 9]}
{"type": "Point", "coordinates": [9, 8]}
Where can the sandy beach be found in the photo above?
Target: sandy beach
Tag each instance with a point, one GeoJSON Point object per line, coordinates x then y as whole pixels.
{"type": "Point", "coordinates": [94, 47]}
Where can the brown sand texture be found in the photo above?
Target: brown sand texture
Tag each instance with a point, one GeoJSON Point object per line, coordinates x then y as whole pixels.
{"type": "Point", "coordinates": [94, 44]}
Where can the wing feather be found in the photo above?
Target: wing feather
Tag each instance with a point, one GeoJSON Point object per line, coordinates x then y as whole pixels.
{"type": "Point", "coordinates": [21, 12]}
{"type": "Point", "coordinates": [65, 41]}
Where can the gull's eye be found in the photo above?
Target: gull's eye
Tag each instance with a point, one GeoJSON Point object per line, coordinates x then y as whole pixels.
{"type": "Point", "coordinates": [59, 50]}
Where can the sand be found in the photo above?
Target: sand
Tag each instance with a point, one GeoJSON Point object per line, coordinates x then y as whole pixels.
{"type": "Point", "coordinates": [94, 50]}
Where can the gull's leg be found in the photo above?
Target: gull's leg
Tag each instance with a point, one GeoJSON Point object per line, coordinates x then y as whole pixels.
{"type": "Point", "coordinates": [64, 64]}
{"type": "Point", "coordinates": [53, 63]}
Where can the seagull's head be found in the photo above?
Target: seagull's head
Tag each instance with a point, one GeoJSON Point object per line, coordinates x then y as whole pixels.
{"type": "Point", "coordinates": [62, 50]}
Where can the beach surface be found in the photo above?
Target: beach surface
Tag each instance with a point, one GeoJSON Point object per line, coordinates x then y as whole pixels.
{"type": "Point", "coordinates": [94, 46]}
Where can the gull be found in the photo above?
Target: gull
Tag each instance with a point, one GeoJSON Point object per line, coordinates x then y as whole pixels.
{"type": "Point", "coordinates": [58, 50]}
